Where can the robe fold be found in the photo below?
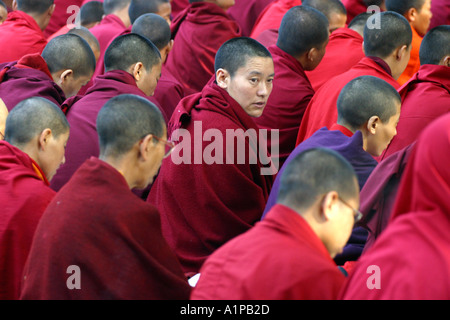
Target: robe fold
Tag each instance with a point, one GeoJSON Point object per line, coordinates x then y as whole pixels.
{"type": "Point", "coordinates": [412, 256]}
{"type": "Point", "coordinates": [82, 111]}
{"type": "Point", "coordinates": [414, 61]}
{"type": "Point", "coordinates": [24, 195]}
{"type": "Point", "coordinates": [272, 15]}
{"type": "Point", "coordinates": [26, 78]}
{"type": "Point", "coordinates": [20, 35]}
{"type": "Point", "coordinates": [290, 96]}
{"type": "Point", "coordinates": [98, 225]}
{"type": "Point", "coordinates": [322, 110]}
{"type": "Point", "coordinates": [198, 32]}
{"type": "Point", "coordinates": [178, 6]}
{"type": "Point", "coordinates": [424, 98]}
{"type": "Point", "coordinates": [65, 13]}
{"type": "Point", "coordinates": [206, 194]}
{"type": "Point", "coordinates": [169, 92]}
{"type": "Point", "coordinates": [345, 46]}
{"type": "Point", "coordinates": [246, 12]}
{"type": "Point", "coordinates": [281, 258]}
{"type": "Point", "coordinates": [354, 7]}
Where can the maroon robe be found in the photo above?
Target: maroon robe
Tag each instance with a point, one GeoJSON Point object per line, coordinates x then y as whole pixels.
{"type": "Point", "coordinates": [60, 16]}
{"type": "Point", "coordinates": [441, 13]}
{"type": "Point", "coordinates": [198, 32]}
{"type": "Point", "coordinates": [268, 37]}
{"type": "Point", "coordinates": [281, 258]}
{"type": "Point", "coordinates": [424, 98]}
{"type": "Point", "coordinates": [82, 114]}
{"type": "Point", "coordinates": [26, 78]}
{"type": "Point", "coordinates": [354, 7]}
{"type": "Point", "coordinates": [203, 202]}
{"type": "Point", "coordinates": [24, 195]}
{"type": "Point", "coordinates": [322, 110]}
{"type": "Point", "coordinates": [178, 6]}
{"type": "Point", "coordinates": [169, 92]}
{"type": "Point", "coordinates": [96, 223]}
{"type": "Point", "coordinates": [20, 35]}
{"type": "Point", "coordinates": [290, 96]}
{"type": "Point", "coordinates": [246, 12]}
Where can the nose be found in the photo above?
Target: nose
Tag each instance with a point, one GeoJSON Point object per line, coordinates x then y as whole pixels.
{"type": "Point", "coordinates": [264, 89]}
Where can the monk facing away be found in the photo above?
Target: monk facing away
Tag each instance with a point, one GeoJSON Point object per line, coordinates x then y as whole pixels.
{"type": "Point", "coordinates": [224, 185]}
{"type": "Point", "coordinates": [35, 138]}
{"type": "Point", "coordinates": [288, 256]}
{"type": "Point", "coordinates": [97, 228]}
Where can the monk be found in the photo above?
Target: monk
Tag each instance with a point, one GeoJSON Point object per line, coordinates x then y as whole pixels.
{"type": "Point", "coordinates": [35, 137]}
{"type": "Point", "coordinates": [356, 7]}
{"type": "Point", "coordinates": [222, 194]}
{"type": "Point", "coordinates": [66, 64]}
{"type": "Point", "coordinates": [303, 37]}
{"type": "Point", "coordinates": [90, 39]}
{"type": "Point", "coordinates": [288, 256]}
{"type": "Point", "coordinates": [246, 12]}
{"type": "Point", "coordinates": [198, 33]}
{"type": "Point", "coordinates": [345, 46]}
{"type": "Point", "coordinates": [22, 30]}
{"type": "Point", "coordinates": [385, 57]}
{"type": "Point", "coordinates": [368, 113]}
{"type": "Point", "coordinates": [426, 96]}
{"type": "Point", "coordinates": [410, 259]}
{"type": "Point", "coordinates": [119, 248]}
{"type": "Point", "coordinates": [3, 12]}
{"type": "Point", "coordinates": [65, 10]}
{"type": "Point", "coordinates": [133, 66]}
{"type": "Point", "coordinates": [418, 13]}
{"type": "Point", "coordinates": [3, 115]}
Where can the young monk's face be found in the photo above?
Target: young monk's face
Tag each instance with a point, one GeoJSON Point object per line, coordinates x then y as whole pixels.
{"type": "Point", "coordinates": [149, 79]}
{"type": "Point", "coordinates": [422, 20]}
{"type": "Point", "coordinates": [52, 156]}
{"type": "Point", "coordinates": [252, 84]}
{"type": "Point", "coordinates": [165, 10]}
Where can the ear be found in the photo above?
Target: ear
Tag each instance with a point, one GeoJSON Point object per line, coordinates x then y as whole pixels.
{"type": "Point", "coordinates": [14, 5]}
{"type": "Point", "coordinates": [65, 75]}
{"type": "Point", "coordinates": [364, 52]}
{"type": "Point", "coordinates": [145, 146]}
{"type": "Point", "coordinates": [328, 203]}
{"type": "Point", "coordinates": [137, 71]}
{"type": "Point", "coordinates": [222, 78]}
{"type": "Point", "coordinates": [311, 54]}
{"type": "Point", "coordinates": [44, 138]}
{"type": "Point", "coordinates": [372, 124]}
{"type": "Point", "coordinates": [411, 14]}
{"type": "Point", "coordinates": [51, 9]}
{"type": "Point", "coordinates": [401, 52]}
{"type": "Point", "coordinates": [445, 61]}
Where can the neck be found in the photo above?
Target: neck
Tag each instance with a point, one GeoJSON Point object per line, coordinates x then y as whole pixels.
{"type": "Point", "coordinates": [123, 16]}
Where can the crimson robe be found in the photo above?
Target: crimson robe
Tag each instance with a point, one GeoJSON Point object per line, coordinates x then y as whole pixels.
{"type": "Point", "coordinates": [345, 46]}
{"type": "Point", "coordinates": [216, 199]}
{"type": "Point", "coordinates": [178, 6]}
{"type": "Point", "coordinates": [62, 15]}
{"type": "Point", "coordinates": [281, 258]}
{"type": "Point", "coordinates": [246, 12]}
{"type": "Point", "coordinates": [412, 256]}
{"type": "Point", "coordinates": [82, 114]}
{"type": "Point", "coordinates": [63, 30]}
{"type": "Point", "coordinates": [26, 78]}
{"type": "Point", "coordinates": [198, 32]}
{"type": "Point", "coordinates": [20, 35]}
{"type": "Point", "coordinates": [268, 37]}
{"type": "Point", "coordinates": [290, 96]}
{"type": "Point", "coordinates": [354, 7]}
{"type": "Point", "coordinates": [97, 224]}
{"type": "Point", "coordinates": [169, 92]}
{"type": "Point", "coordinates": [441, 13]}
{"type": "Point", "coordinates": [322, 110]}
{"type": "Point", "coordinates": [424, 98]}
{"type": "Point", "coordinates": [24, 195]}
{"type": "Point", "coordinates": [272, 15]}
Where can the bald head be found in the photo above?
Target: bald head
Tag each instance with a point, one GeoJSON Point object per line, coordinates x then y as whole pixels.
{"type": "Point", "coordinates": [334, 10]}
{"type": "Point", "coordinates": [33, 6]}
{"type": "Point", "coordinates": [111, 6]}
{"type": "Point", "coordinates": [153, 27]}
{"type": "Point", "coordinates": [140, 7]}
{"type": "Point", "coordinates": [92, 41]}
{"type": "Point", "coordinates": [402, 6]}
{"type": "Point", "coordinates": [91, 13]}
{"type": "Point", "coordinates": [30, 117]}
{"type": "Point", "coordinates": [359, 22]}
{"type": "Point", "coordinates": [435, 46]}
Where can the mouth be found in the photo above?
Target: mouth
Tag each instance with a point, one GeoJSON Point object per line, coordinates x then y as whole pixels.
{"type": "Point", "coordinates": [260, 104]}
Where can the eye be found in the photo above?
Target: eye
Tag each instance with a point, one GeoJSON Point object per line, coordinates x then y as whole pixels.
{"type": "Point", "coordinates": [253, 80]}
{"type": "Point", "coordinates": [270, 80]}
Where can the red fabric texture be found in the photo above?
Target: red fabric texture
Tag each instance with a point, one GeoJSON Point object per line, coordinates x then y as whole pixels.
{"type": "Point", "coordinates": [414, 61]}
{"type": "Point", "coordinates": [246, 12]}
{"type": "Point", "coordinates": [212, 203]}
{"type": "Point", "coordinates": [23, 197]}
{"type": "Point", "coordinates": [353, 7]}
{"type": "Point", "coordinates": [169, 92]}
{"type": "Point", "coordinates": [441, 13]}
{"type": "Point", "coordinates": [268, 37]}
{"type": "Point", "coordinates": [413, 253]}
{"type": "Point", "coordinates": [424, 98]}
{"type": "Point", "coordinates": [96, 223]}
{"type": "Point", "coordinates": [20, 35]}
{"type": "Point", "coordinates": [178, 6]}
{"type": "Point", "coordinates": [281, 258]}
{"type": "Point", "coordinates": [62, 15]}
{"type": "Point", "coordinates": [198, 32]}
{"type": "Point", "coordinates": [322, 112]}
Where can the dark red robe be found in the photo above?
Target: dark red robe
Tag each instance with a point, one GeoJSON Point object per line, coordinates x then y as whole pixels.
{"type": "Point", "coordinates": [424, 98]}
{"type": "Point", "coordinates": [82, 114]}
{"type": "Point", "coordinates": [412, 256]}
{"type": "Point", "coordinates": [24, 195]}
{"type": "Point", "coordinates": [96, 223]}
{"type": "Point", "coordinates": [216, 199]}
{"type": "Point", "coordinates": [26, 78]}
{"type": "Point", "coordinates": [20, 35]}
{"type": "Point", "coordinates": [198, 32]}
{"type": "Point", "coordinates": [290, 96]}
{"type": "Point", "coordinates": [354, 7]}
{"type": "Point", "coordinates": [169, 92]}
{"type": "Point", "coordinates": [345, 46]}
{"type": "Point", "coordinates": [178, 6]}
{"type": "Point", "coordinates": [281, 258]}
{"type": "Point", "coordinates": [441, 13]}
{"type": "Point", "coordinates": [246, 12]}
{"type": "Point", "coordinates": [322, 110]}
{"type": "Point", "coordinates": [62, 15]}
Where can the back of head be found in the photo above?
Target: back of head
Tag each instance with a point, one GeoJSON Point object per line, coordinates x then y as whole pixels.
{"type": "Point", "coordinates": [334, 10]}
{"type": "Point", "coordinates": [84, 33]}
{"type": "Point", "coordinates": [91, 12]}
{"type": "Point", "coordinates": [359, 22]}
{"type": "Point", "coordinates": [312, 174]}
{"type": "Point", "coordinates": [301, 29]}
{"type": "Point", "coordinates": [402, 6]}
{"type": "Point", "coordinates": [34, 6]}
{"type": "Point", "coordinates": [140, 7]}
{"type": "Point", "coordinates": [435, 45]}
{"type": "Point", "coordinates": [124, 120]}
{"type": "Point", "coordinates": [111, 6]}
{"type": "Point", "coordinates": [153, 27]}
{"type": "Point", "coordinates": [364, 97]}
{"type": "Point", "coordinates": [129, 49]}
{"type": "Point", "coordinates": [32, 116]}
{"type": "Point", "coordinates": [392, 32]}
{"type": "Point", "coordinates": [69, 51]}
{"type": "Point", "coordinates": [235, 53]}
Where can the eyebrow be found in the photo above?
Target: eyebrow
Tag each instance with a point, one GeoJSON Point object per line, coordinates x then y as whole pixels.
{"type": "Point", "coordinates": [257, 73]}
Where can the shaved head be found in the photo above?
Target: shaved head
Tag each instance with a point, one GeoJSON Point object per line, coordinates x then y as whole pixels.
{"type": "Point", "coordinates": [359, 22]}
{"type": "Point", "coordinates": [84, 33]}
{"type": "Point", "coordinates": [140, 7]}
{"type": "Point", "coordinates": [435, 45]}
{"type": "Point", "coordinates": [402, 6]}
{"type": "Point", "coordinates": [34, 6]}
{"type": "Point", "coordinates": [110, 6]}
{"type": "Point", "coordinates": [91, 12]}
{"type": "Point", "coordinates": [153, 27]}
